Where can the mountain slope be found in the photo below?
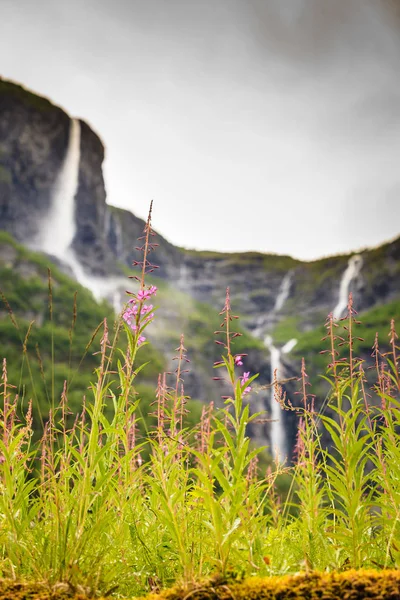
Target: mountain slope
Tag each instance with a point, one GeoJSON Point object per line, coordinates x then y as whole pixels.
{"type": "Point", "coordinates": [275, 296]}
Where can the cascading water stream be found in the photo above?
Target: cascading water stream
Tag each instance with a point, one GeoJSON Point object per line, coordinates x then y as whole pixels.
{"type": "Point", "coordinates": [60, 226]}
{"type": "Point", "coordinates": [284, 290]}
{"type": "Point", "coordinates": [278, 436]}
{"type": "Point", "coordinates": [278, 442]}
{"type": "Point", "coordinates": [353, 269]}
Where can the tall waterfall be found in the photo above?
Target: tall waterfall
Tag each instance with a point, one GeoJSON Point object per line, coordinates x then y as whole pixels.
{"type": "Point", "coordinates": [59, 227]}
{"type": "Point", "coordinates": [353, 269]}
{"type": "Point", "coordinates": [278, 441]}
{"type": "Point", "coordinates": [283, 293]}
{"type": "Point", "coordinates": [278, 436]}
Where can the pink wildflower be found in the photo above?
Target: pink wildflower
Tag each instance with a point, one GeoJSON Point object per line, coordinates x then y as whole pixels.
{"type": "Point", "coordinates": [238, 361]}
{"type": "Point", "coordinates": [129, 316]}
{"type": "Point", "coordinates": [145, 294]}
{"type": "Point", "coordinates": [146, 309]}
{"type": "Point", "coordinates": [243, 380]}
{"type": "Point", "coordinates": [245, 377]}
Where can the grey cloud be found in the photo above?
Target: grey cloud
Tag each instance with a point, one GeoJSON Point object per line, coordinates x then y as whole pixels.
{"type": "Point", "coordinates": [277, 109]}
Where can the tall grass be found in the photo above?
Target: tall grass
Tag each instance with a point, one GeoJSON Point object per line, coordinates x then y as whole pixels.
{"type": "Point", "coordinates": [101, 507]}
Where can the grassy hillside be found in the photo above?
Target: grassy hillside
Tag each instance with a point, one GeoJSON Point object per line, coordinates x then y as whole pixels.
{"type": "Point", "coordinates": [60, 345]}
{"type": "Point", "coordinates": [57, 344]}
{"type": "Point", "coordinates": [47, 322]}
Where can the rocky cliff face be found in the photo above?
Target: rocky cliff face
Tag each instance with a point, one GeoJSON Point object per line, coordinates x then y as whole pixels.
{"type": "Point", "coordinates": [275, 295]}
{"type": "Point", "coordinates": [92, 214]}
{"type": "Point", "coordinates": [33, 139]}
{"type": "Point", "coordinates": [34, 136]}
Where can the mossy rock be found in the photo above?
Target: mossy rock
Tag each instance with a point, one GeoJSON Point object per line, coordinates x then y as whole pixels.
{"type": "Point", "coordinates": [5, 175]}
{"type": "Point", "coordinates": [20, 94]}
{"type": "Point", "coordinates": [349, 585]}
{"type": "Point", "coordinates": [17, 590]}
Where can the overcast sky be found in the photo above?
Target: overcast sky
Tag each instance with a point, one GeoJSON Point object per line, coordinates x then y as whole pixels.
{"type": "Point", "coordinates": [270, 125]}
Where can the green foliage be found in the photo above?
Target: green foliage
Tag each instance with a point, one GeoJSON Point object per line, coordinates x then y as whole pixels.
{"type": "Point", "coordinates": [130, 494]}
{"type": "Point", "coordinates": [278, 262]}
{"type": "Point", "coordinates": [287, 329]}
{"type": "Point", "coordinates": [19, 93]}
{"type": "Point", "coordinates": [5, 175]}
{"type": "Point", "coordinates": [44, 348]}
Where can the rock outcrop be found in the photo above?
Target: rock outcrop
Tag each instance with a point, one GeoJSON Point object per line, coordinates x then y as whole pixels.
{"type": "Point", "coordinates": [33, 140]}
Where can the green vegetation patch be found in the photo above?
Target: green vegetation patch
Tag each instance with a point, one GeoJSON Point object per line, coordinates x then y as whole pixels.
{"type": "Point", "coordinates": [58, 347]}
{"type": "Point", "coordinates": [276, 262]}
{"type": "Point", "coordinates": [5, 175]}
{"type": "Point", "coordinates": [19, 93]}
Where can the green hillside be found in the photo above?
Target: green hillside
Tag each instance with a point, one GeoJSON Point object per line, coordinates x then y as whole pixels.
{"type": "Point", "coordinates": [47, 334]}
{"type": "Point", "coordinates": [61, 317]}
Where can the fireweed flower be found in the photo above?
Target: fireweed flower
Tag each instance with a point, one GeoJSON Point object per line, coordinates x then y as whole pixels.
{"type": "Point", "coordinates": [243, 380]}
{"type": "Point", "coordinates": [238, 361]}
{"type": "Point", "coordinates": [145, 294]}
{"type": "Point", "coordinates": [245, 377]}
{"type": "Point", "coordinates": [137, 314]}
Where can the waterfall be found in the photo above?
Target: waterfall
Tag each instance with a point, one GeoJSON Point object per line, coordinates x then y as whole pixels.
{"type": "Point", "coordinates": [182, 278]}
{"type": "Point", "coordinates": [59, 227]}
{"type": "Point", "coordinates": [103, 288]}
{"type": "Point", "coordinates": [117, 300]}
{"type": "Point", "coordinates": [278, 437]}
{"type": "Point", "coordinates": [114, 236]}
{"type": "Point", "coordinates": [288, 347]}
{"type": "Point", "coordinates": [283, 293]}
{"type": "Point", "coordinates": [120, 242]}
{"type": "Point", "coordinates": [352, 271]}
{"type": "Point", "coordinates": [278, 442]}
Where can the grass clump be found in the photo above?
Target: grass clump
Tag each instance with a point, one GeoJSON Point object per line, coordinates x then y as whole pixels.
{"type": "Point", "coordinates": [122, 505]}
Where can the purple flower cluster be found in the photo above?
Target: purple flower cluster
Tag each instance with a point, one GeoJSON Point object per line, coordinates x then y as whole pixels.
{"type": "Point", "coordinates": [137, 314]}
{"type": "Point", "coordinates": [246, 375]}
{"type": "Point", "coordinates": [243, 380]}
{"type": "Point", "coordinates": [146, 294]}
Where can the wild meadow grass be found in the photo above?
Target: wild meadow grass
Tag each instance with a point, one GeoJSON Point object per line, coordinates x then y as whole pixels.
{"type": "Point", "coordinates": [102, 508]}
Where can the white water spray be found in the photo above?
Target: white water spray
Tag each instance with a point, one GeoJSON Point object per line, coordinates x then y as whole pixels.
{"type": "Point", "coordinates": [111, 289]}
{"type": "Point", "coordinates": [59, 227]}
{"type": "Point", "coordinates": [353, 269]}
{"type": "Point", "coordinates": [278, 442]}
{"type": "Point", "coordinates": [283, 293]}
{"type": "Point", "coordinates": [119, 246]}
{"type": "Point", "coordinates": [288, 347]}
{"type": "Point", "coordinates": [278, 437]}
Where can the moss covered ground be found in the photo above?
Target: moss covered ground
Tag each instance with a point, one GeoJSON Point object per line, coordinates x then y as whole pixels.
{"type": "Point", "coordinates": [348, 585]}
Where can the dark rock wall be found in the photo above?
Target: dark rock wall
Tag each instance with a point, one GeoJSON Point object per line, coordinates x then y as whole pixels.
{"type": "Point", "coordinates": [33, 140]}
{"type": "Point", "coordinates": [90, 242]}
